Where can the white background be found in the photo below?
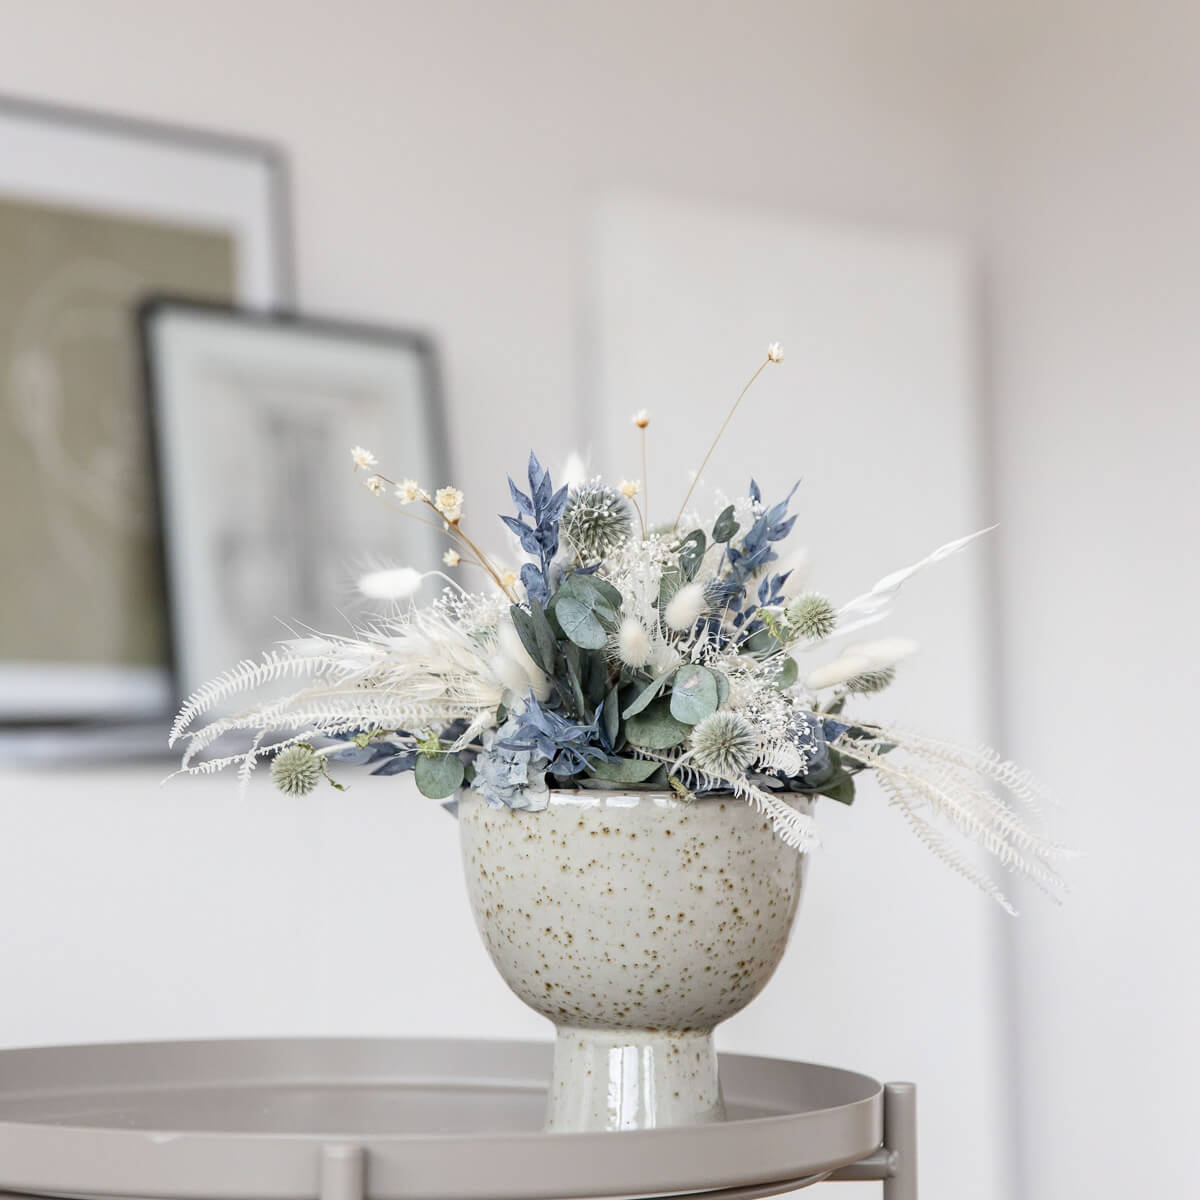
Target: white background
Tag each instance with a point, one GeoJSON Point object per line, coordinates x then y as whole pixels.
{"type": "Point", "coordinates": [446, 157]}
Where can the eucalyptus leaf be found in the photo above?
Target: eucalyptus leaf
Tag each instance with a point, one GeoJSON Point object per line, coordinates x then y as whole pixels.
{"type": "Point", "coordinates": [609, 594]}
{"type": "Point", "coordinates": [842, 790]}
{"type": "Point", "coordinates": [760, 643]}
{"type": "Point", "coordinates": [646, 695]}
{"type": "Point", "coordinates": [610, 717]}
{"type": "Point", "coordinates": [725, 526]}
{"type": "Point", "coordinates": [691, 553]}
{"type": "Point", "coordinates": [722, 687]}
{"type": "Point", "coordinates": [595, 677]}
{"type": "Point", "coordinates": [438, 775]}
{"type": "Point", "coordinates": [535, 633]}
{"type": "Point", "coordinates": [654, 728]}
{"type": "Point", "coordinates": [694, 694]}
{"type": "Point", "coordinates": [577, 620]}
{"type": "Point", "coordinates": [624, 770]}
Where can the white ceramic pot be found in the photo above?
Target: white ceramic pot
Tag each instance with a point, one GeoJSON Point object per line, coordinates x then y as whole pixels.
{"type": "Point", "coordinates": [636, 922]}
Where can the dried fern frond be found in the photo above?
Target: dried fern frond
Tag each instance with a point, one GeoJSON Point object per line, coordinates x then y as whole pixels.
{"type": "Point", "coordinates": [797, 829]}
{"type": "Point", "coordinates": [420, 670]}
{"type": "Point", "coordinates": [936, 843]}
{"type": "Point", "coordinates": [979, 760]}
{"type": "Point", "coordinates": [966, 803]}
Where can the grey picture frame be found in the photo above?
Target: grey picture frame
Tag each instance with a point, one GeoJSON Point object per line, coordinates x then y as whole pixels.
{"type": "Point", "coordinates": [82, 163]}
{"type": "Point", "coordinates": [179, 538]}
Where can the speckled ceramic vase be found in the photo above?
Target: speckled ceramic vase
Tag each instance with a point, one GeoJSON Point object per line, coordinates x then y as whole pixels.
{"type": "Point", "coordinates": [636, 922]}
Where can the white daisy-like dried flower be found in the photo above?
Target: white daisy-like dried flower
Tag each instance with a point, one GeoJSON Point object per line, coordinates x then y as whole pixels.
{"type": "Point", "coordinates": [641, 418]}
{"type": "Point", "coordinates": [449, 501]}
{"type": "Point", "coordinates": [685, 607]}
{"type": "Point", "coordinates": [375, 485]}
{"type": "Point", "coordinates": [452, 558]}
{"type": "Point", "coordinates": [775, 352]}
{"type": "Point", "coordinates": [629, 488]}
{"type": "Point", "coordinates": [633, 643]}
{"type": "Point", "coordinates": [394, 583]}
{"type": "Point", "coordinates": [409, 490]}
{"type": "Point", "coordinates": [362, 458]}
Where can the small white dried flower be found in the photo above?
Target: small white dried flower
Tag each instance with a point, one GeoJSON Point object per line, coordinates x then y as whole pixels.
{"type": "Point", "coordinates": [629, 488]}
{"type": "Point", "coordinates": [409, 490]}
{"type": "Point", "coordinates": [724, 744]}
{"type": "Point", "coordinates": [362, 458]}
{"type": "Point", "coordinates": [641, 418]}
{"type": "Point", "coordinates": [685, 607]}
{"type": "Point", "coordinates": [633, 643]}
{"type": "Point", "coordinates": [375, 485]}
{"type": "Point", "coordinates": [508, 578]}
{"type": "Point", "coordinates": [452, 558]}
{"type": "Point", "coordinates": [775, 352]}
{"type": "Point", "coordinates": [394, 583]}
{"type": "Point", "coordinates": [449, 501]}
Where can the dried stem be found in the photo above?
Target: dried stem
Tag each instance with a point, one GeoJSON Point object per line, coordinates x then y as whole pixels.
{"type": "Point", "coordinates": [720, 432]}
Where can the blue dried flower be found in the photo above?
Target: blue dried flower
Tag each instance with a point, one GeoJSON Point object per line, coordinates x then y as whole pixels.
{"type": "Point", "coordinates": [510, 776]}
{"type": "Point", "coordinates": [567, 745]}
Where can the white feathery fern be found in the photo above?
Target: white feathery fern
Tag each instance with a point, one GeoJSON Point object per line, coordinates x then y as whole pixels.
{"type": "Point", "coordinates": [424, 669]}
{"type": "Point", "coordinates": [956, 790]}
{"type": "Point", "coordinates": [797, 829]}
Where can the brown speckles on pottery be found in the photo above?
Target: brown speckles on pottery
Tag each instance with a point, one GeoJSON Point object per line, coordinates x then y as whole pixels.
{"type": "Point", "coordinates": [656, 918]}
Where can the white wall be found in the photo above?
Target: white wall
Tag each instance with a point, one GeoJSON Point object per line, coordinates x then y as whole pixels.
{"type": "Point", "coordinates": [444, 156]}
{"type": "Point", "coordinates": [1094, 268]}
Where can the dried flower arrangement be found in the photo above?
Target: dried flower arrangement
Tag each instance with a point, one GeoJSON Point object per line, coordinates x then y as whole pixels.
{"type": "Point", "coordinates": [623, 654]}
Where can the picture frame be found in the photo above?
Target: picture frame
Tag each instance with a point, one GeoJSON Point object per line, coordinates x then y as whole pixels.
{"type": "Point", "coordinates": [265, 524]}
{"type": "Point", "coordinates": [96, 211]}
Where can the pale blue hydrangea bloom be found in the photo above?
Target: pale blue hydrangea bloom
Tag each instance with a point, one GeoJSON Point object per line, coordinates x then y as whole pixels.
{"type": "Point", "coordinates": [510, 777]}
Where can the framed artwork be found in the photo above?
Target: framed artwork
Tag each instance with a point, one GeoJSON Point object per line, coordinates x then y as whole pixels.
{"type": "Point", "coordinates": [95, 213]}
{"type": "Point", "coordinates": [265, 524]}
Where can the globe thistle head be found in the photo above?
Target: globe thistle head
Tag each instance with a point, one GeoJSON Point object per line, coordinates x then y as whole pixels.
{"type": "Point", "coordinates": [724, 744]}
{"type": "Point", "coordinates": [296, 770]}
{"type": "Point", "coordinates": [595, 520]}
{"type": "Point", "coordinates": [811, 616]}
{"type": "Point", "coordinates": [871, 681]}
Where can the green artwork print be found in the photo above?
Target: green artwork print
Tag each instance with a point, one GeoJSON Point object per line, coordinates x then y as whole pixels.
{"type": "Point", "coordinates": [74, 456]}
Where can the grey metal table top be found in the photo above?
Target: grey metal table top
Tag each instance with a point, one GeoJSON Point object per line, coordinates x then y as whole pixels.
{"type": "Point", "coordinates": [403, 1119]}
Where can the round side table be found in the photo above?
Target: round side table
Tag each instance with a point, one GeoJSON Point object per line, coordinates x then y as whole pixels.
{"type": "Point", "coordinates": [414, 1119]}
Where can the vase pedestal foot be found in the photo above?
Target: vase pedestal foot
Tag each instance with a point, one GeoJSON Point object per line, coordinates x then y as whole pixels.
{"type": "Point", "coordinates": [633, 1079]}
